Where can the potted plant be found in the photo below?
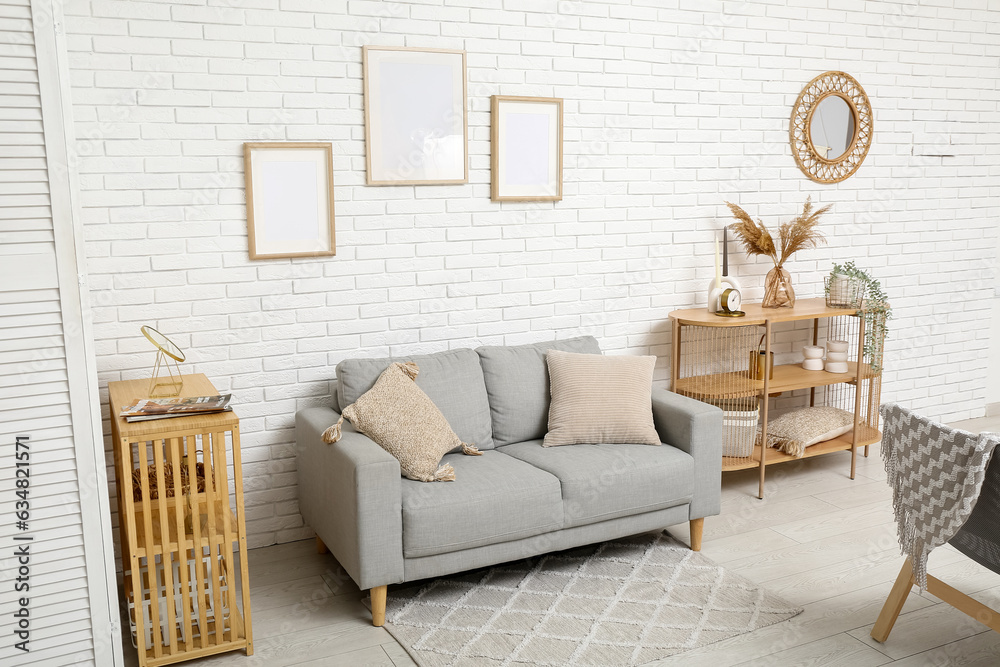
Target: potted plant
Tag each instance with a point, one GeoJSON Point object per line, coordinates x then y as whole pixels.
{"type": "Point", "coordinates": [793, 236]}
{"type": "Point", "coordinates": [872, 301]}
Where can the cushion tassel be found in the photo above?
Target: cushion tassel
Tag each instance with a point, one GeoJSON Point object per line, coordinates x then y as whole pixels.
{"type": "Point", "coordinates": [410, 368]}
{"type": "Point", "coordinates": [332, 434]}
{"type": "Point", "coordinates": [470, 450]}
{"type": "Point", "coordinates": [792, 448]}
{"type": "Point", "coordinates": [445, 474]}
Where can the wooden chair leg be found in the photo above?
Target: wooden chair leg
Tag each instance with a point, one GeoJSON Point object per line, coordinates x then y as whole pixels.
{"type": "Point", "coordinates": [378, 605]}
{"type": "Point", "coordinates": [962, 602]}
{"type": "Point", "coordinates": [894, 603]}
{"type": "Point", "coordinates": [320, 546]}
{"type": "Point", "coordinates": [697, 526]}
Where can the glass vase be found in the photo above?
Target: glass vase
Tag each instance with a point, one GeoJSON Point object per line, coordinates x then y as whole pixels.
{"type": "Point", "coordinates": [778, 291]}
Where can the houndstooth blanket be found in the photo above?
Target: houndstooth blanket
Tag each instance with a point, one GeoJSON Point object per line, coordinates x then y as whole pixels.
{"type": "Point", "coordinates": [936, 473]}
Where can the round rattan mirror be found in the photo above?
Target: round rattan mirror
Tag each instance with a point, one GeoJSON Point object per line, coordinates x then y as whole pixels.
{"type": "Point", "coordinates": [831, 127]}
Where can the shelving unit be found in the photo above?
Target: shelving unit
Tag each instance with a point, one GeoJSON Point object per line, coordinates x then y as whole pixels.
{"type": "Point", "coordinates": [711, 362]}
{"type": "Point", "coordinates": [183, 540]}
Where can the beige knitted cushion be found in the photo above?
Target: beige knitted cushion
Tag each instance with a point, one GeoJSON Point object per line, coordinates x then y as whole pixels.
{"type": "Point", "coordinates": [600, 400]}
{"type": "Point", "coordinates": [793, 431]}
{"type": "Point", "coordinates": [399, 416]}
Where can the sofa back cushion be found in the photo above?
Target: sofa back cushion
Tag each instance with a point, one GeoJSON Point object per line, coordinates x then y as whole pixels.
{"type": "Point", "coordinates": [517, 382]}
{"type": "Point", "coordinates": [453, 380]}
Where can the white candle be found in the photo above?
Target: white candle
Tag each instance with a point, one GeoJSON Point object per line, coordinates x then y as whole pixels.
{"type": "Point", "coordinates": [718, 269]}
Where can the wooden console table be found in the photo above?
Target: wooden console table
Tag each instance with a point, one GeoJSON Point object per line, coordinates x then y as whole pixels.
{"type": "Point", "coordinates": [183, 534]}
{"type": "Point", "coordinates": [711, 362]}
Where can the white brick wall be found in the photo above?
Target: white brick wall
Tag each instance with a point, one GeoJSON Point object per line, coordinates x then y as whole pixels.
{"type": "Point", "coordinates": [667, 111]}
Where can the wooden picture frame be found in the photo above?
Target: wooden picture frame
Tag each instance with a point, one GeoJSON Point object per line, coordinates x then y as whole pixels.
{"type": "Point", "coordinates": [416, 118]}
{"type": "Point", "coordinates": [526, 148]}
{"type": "Point", "coordinates": [290, 207]}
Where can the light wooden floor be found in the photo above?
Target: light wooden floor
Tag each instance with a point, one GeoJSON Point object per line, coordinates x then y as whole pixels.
{"type": "Point", "coordinates": [819, 539]}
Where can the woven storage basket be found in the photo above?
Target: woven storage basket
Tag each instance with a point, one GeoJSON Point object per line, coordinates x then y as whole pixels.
{"type": "Point", "coordinates": [168, 480]}
{"type": "Point", "coordinates": [739, 429]}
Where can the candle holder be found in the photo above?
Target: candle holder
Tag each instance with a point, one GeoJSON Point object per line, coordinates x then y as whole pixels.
{"type": "Point", "coordinates": [724, 293]}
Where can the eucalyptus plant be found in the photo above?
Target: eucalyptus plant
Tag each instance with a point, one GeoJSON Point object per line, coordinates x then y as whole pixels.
{"type": "Point", "coordinates": [875, 307]}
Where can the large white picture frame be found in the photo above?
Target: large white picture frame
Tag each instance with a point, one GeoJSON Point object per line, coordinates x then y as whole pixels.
{"type": "Point", "coordinates": [289, 199]}
{"type": "Point", "coordinates": [416, 125]}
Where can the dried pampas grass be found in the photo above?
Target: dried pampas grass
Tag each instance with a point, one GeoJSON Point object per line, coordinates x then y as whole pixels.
{"type": "Point", "coordinates": [754, 236]}
{"type": "Point", "coordinates": [793, 236]}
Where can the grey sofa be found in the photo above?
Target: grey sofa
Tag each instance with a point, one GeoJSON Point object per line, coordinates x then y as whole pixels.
{"type": "Point", "coordinates": [516, 500]}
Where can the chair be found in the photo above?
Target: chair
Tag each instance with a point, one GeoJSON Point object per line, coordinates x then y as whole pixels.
{"type": "Point", "coordinates": [974, 531]}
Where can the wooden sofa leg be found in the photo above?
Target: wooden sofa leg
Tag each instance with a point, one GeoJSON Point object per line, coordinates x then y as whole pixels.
{"type": "Point", "coordinates": [378, 606]}
{"type": "Point", "coordinates": [697, 525]}
{"type": "Point", "coordinates": [320, 547]}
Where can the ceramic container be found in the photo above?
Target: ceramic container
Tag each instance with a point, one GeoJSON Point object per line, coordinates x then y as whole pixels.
{"type": "Point", "coordinates": [812, 352]}
{"type": "Point", "coordinates": [836, 346]}
{"type": "Point", "coordinates": [836, 356]}
{"type": "Point", "coordinates": [813, 364]}
{"type": "Point", "coordinates": [836, 367]}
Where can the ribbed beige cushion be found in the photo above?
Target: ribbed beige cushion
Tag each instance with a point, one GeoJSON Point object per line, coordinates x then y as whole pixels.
{"type": "Point", "coordinates": [400, 417]}
{"type": "Point", "coordinates": [600, 400]}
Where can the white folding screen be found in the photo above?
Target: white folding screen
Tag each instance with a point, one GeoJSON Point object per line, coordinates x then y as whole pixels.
{"type": "Point", "coordinates": [48, 388]}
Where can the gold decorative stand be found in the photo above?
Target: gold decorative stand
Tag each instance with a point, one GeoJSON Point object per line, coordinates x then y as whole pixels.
{"type": "Point", "coordinates": [182, 532]}
{"type": "Point", "coordinates": [711, 363]}
{"type": "Point", "coordinates": [167, 357]}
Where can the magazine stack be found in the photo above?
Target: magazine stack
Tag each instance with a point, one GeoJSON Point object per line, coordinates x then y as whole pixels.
{"type": "Point", "coordinates": [146, 409]}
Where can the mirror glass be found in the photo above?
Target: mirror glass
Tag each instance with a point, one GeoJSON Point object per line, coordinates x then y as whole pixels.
{"type": "Point", "coordinates": [832, 128]}
{"type": "Point", "coordinates": [162, 343]}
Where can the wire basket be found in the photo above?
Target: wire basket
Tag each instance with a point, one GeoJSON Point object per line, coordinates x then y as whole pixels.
{"type": "Point", "coordinates": [199, 593]}
{"type": "Point", "coordinates": [843, 291]}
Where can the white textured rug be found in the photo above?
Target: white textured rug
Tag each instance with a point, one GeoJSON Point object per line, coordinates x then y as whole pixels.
{"type": "Point", "coordinates": [625, 602]}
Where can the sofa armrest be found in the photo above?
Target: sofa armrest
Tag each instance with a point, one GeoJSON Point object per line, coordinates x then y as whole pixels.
{"type": "Point", "coordinates": [349, 493]}
{"type": "Point", "coordinates": [696, 428]}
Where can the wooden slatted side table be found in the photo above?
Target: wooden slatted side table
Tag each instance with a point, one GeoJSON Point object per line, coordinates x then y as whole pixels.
{"type": "Point", "coordinates": [182, 529]}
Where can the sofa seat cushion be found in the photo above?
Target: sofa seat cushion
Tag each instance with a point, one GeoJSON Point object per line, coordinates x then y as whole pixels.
{"type": "Point", "coordinates": [602, 482]}
{"type": "Point", "coordinates": [453, 380]}
{"type": "Point", "coordinates": [494, 498]}
{"type": "Point", "coordinates": [517, 381]}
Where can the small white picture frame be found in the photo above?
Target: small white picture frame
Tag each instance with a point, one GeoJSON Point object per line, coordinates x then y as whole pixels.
{"type": "Point", "coordinates": [289, 187]}
{"type": "Point", "coordinates": [416, 124]}
{"type": "Point", "coordinates": [526, 148]}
